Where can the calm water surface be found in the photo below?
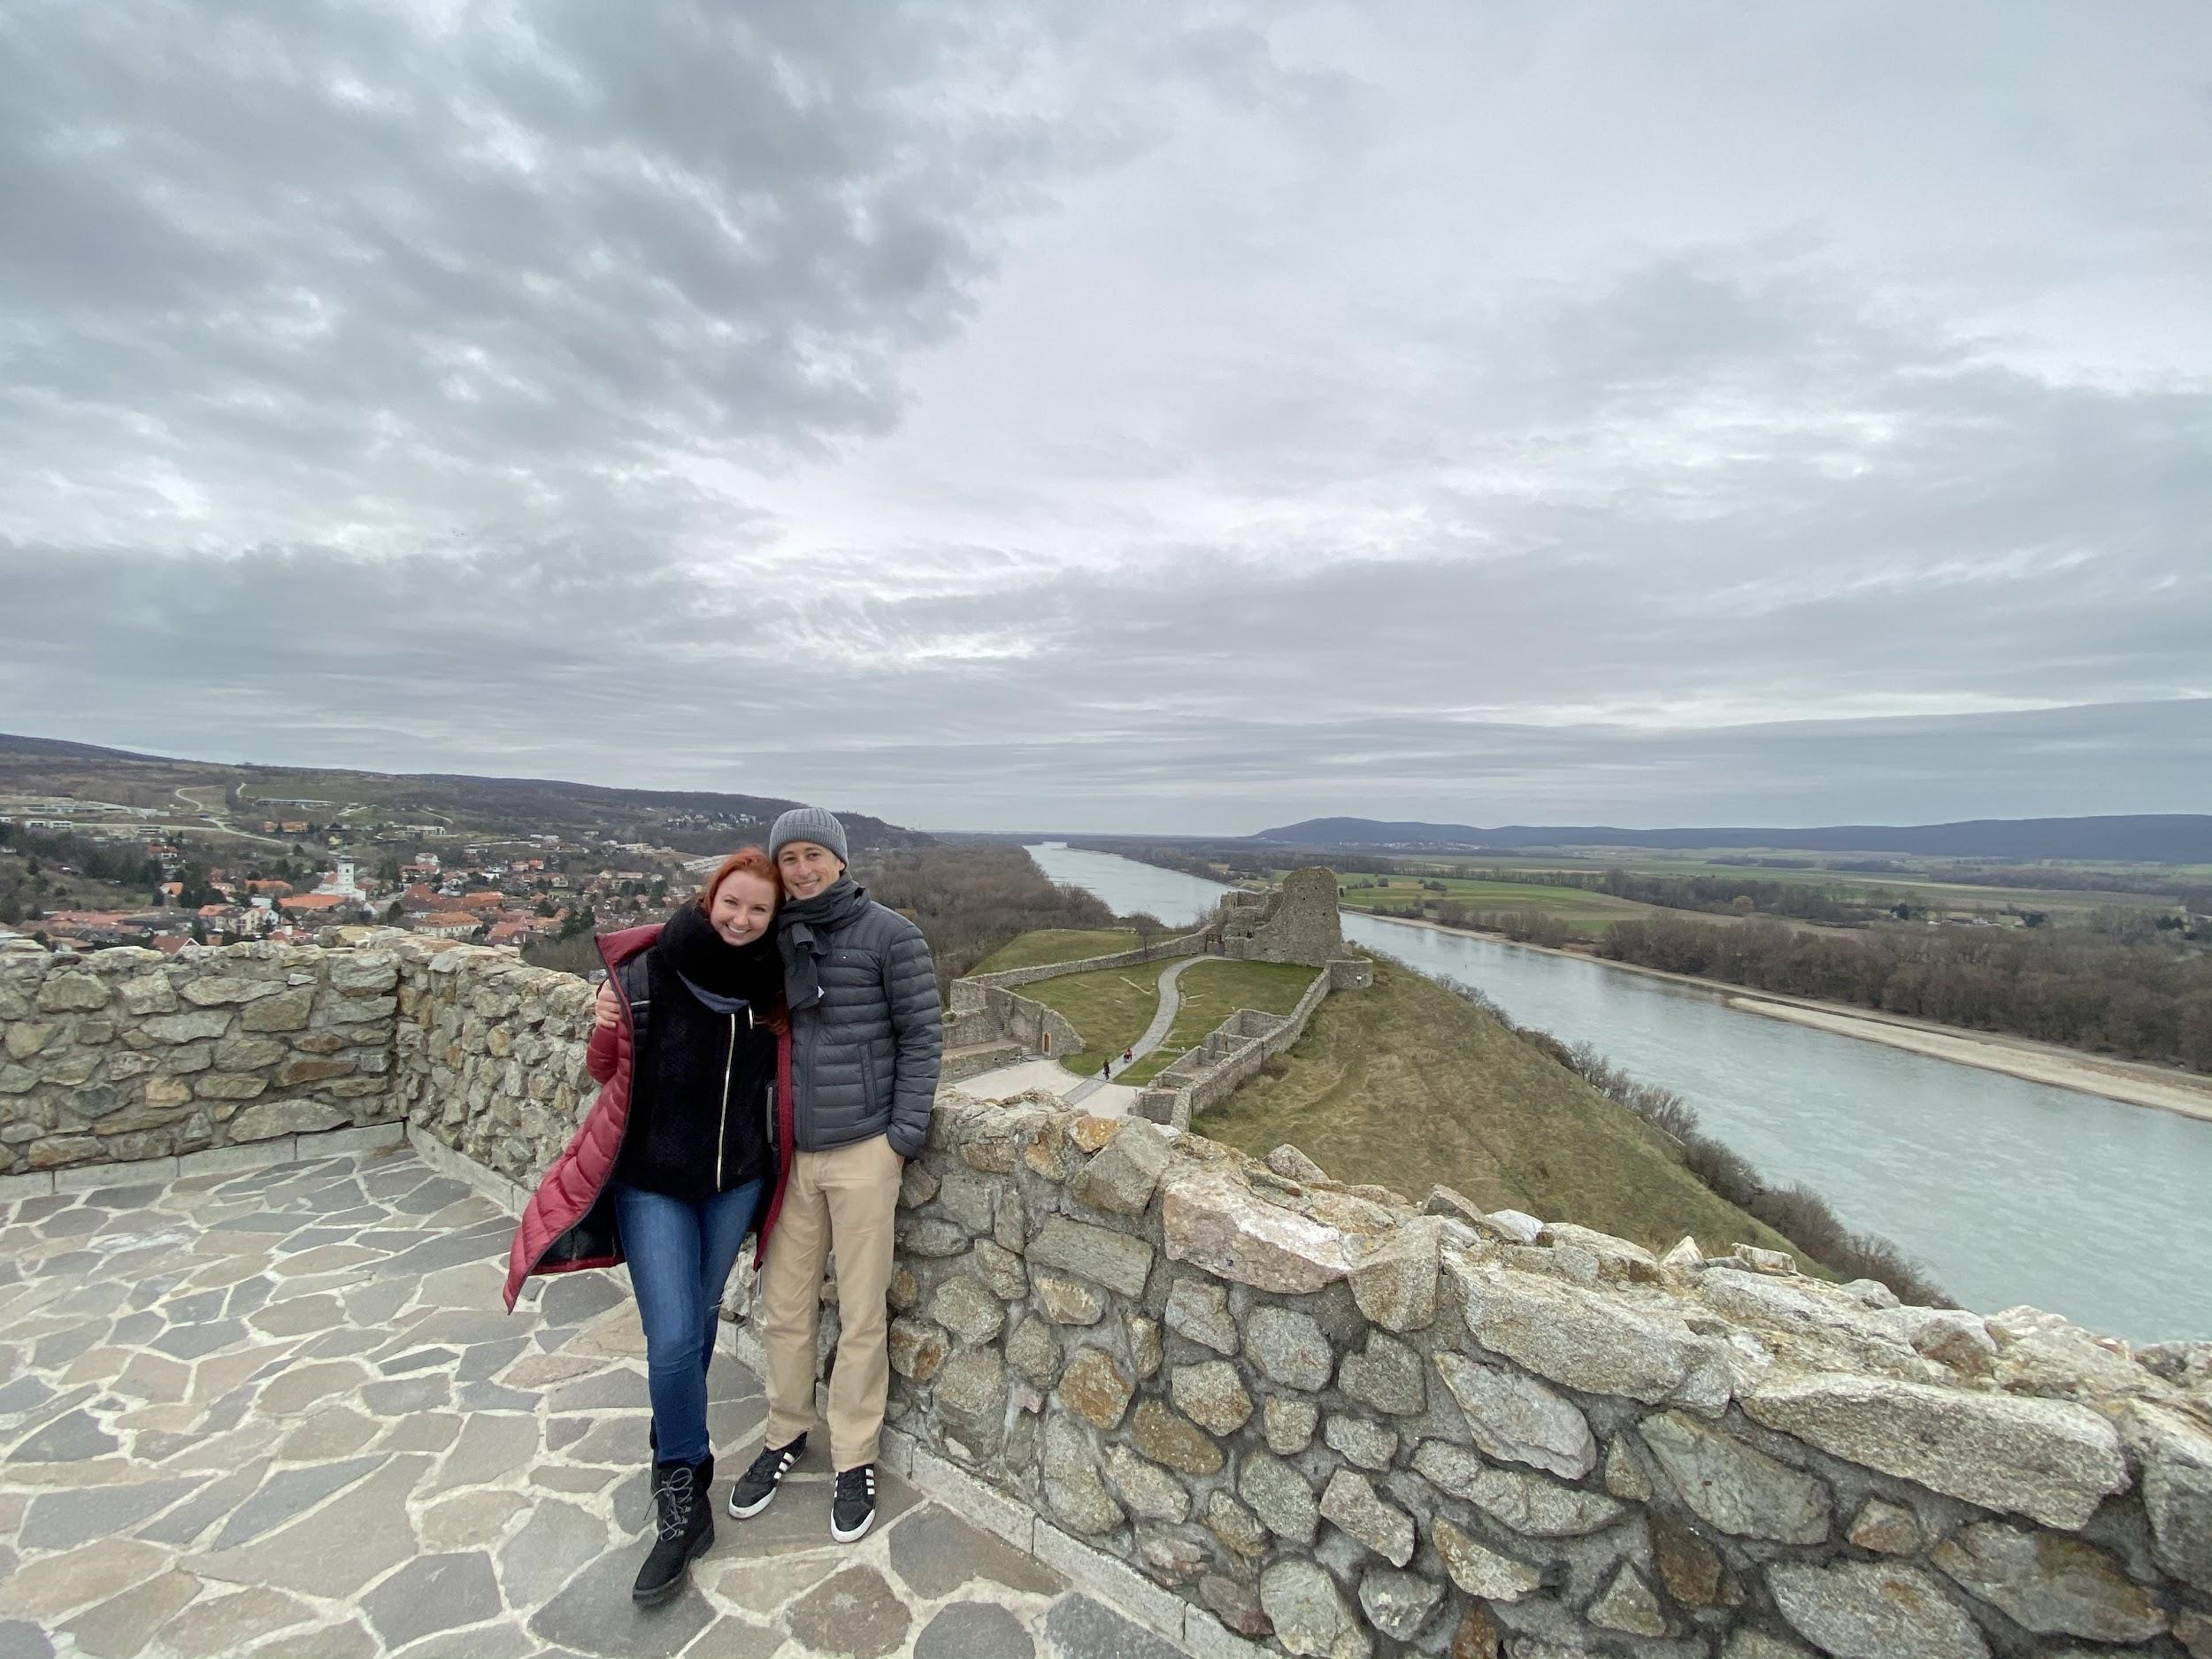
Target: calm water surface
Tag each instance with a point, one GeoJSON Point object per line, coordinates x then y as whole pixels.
{"type": "Point", "coordinates": [2008, 1191]}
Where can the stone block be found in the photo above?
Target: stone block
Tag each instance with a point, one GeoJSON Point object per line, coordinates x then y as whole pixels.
{"type": "Point", "coordinates": [1066, 1301]}
{"type": "Point", "coordinates": [1280, 1495]}
{"type": "Point", "coordinates": [1516, 1417]}
{"type": "Point", "coordinates": [1859, 1609]}
{"type": "Point", "coordinates": [1310, 1613]}
{"type": "Point", "coordinates": [1599, 1341]}
{"type": "Point", "coordinates": [2050, 1460]}
{"type": "Point", "coordinates": [1211, 1395]}
{"type": "Point", "coordinates": [1031, 1351]}
{"type": "Point", "coordinates": [148, 994]}
{"type": "Point", "coordinates": [1113, 1259]}
{"type": "Point", "coordinates": [916, 1348]}
{"type": "Point", "coordinates": [285, 1010]}
{"type": "Point", "coordinates": [68, 991]}
{"type": "Point", "coordinates": [1287, 1426]}
{"type": "Point", "coordinates": [998, 1269]}
{"type": "Point", "coordinates": [1168, 1439]}
{"type": "Point", "coordinates": [1386, 1375]}
{"type": "Point", "coordinates": [1481, 1571]}
{"type": "Point", "coordinates": [1734, 1487]}
{"type": "Point", "coordinates": [1150, 1493]}
{"type": "Point", "coordinates": [1628, 1604]}
{"type": "Point", "coordinates": [194, 1028]}
{"type": "Point", "coordinates": [1288, 1349]}
{"type": "Point", "coordinates": [217, 989]}
{"type": "Point", "coordinates": [1395, 1282]}
{"type": "Point", "coordinates": [1094, 1385]}
{"type": "Point", "coordinates": [968, 1311]}
{"type": "Point", "coordinates": [1073, 1489]}
{"type": "Point", "coordinates": [2050, 1584]}
{"type": "Point", "coordinates": [970, 1396]}
{"type": "Point", "coordinates": [1198, 1309]}
{"type": "Point", "coordinates": [1122, 1177]}
{"type": "Point", "coordinates": [1369, 1444]}
{"type": "Point", "coordinates": [1212, 1221]}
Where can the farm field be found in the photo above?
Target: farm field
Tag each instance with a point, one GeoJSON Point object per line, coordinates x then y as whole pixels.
{"type": "Point", "coordinates": [1586, 913]}
{"type": "Point", "coordinates": [1213, 989]}
{"type": "Point", "coordinates": [1848, 887]}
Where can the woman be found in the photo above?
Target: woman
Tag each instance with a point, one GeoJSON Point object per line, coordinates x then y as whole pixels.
{"type": "Point", "coordinates": [682, 1154]}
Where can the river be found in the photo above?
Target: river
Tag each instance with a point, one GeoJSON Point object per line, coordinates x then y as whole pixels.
{"type": "Point", "coordinates": [2007, 1191]}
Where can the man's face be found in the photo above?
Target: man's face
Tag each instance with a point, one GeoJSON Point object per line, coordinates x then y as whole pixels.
{"type": "Point", "coordinates": [808, 867]}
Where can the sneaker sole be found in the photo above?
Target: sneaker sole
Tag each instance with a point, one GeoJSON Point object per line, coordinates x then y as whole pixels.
{"type": "Point", "coordinates": [746, 1511]}
{"type": "Point", "coordinates": [682, 1582]}
{"type": "Point", "coordinates": [856, 1534]}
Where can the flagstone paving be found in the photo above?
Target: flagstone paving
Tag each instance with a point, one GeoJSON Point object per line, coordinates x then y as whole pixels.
{"type": "Point", "coordinates": [282, 1413]}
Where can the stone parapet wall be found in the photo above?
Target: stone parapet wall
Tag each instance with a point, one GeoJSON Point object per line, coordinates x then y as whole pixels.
{"type": "Point", "coordinates": [128, 1055]}
{"type": "Point", "coordinates": [1338, 1425]}
{"type": "Point", "coordinates": [1348, 1429]}
{"type": "Point", "coordinates": [489, 1055]}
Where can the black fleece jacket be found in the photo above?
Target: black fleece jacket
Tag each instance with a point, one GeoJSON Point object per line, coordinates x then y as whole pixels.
{"type": "Point", "coordinates": [698, 1095]}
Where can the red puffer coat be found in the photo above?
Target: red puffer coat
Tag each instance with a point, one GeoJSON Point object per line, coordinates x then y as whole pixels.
{"type": "Point", "coordinates": [569, 1222]}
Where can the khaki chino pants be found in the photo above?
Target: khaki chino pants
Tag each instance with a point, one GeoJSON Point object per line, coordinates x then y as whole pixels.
{"type": "Point", "coordinates": [844, 1200]}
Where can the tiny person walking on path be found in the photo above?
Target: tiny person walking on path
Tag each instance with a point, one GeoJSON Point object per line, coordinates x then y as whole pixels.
{"type": "Point", "coordinates": [684, 1153]}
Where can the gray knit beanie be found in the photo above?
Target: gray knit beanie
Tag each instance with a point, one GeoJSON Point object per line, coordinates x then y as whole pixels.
{"type": "Point", "coordinates": [809, 824]}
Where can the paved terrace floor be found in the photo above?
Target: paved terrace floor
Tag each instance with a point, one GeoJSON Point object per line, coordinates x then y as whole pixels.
{"type": "Point", "coordinates": [282, 1413]}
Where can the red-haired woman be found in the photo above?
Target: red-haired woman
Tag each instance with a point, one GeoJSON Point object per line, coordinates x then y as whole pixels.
{"type": "Point", "coordinates": [681, 1156]}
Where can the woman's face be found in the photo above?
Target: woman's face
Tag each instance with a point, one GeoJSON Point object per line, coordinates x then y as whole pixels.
{"type": "Point", "coordinates": [743, 907]}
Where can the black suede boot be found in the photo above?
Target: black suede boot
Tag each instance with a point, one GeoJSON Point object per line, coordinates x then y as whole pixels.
{"type": "Point", "coordinates": [683, 1527]}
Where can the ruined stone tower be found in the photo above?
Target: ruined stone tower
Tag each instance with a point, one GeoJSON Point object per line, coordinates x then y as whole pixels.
{"type": "Point", "coordinates": [1295, 923]}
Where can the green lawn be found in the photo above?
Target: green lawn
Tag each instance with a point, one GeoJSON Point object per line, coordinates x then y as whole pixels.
{"type": "Point", "coordinates": [1110, 1007]}
{"type": "Point", "coordinates": [1212, 990]}
{"type": "Point", "coordinates": [1408, 1086]}
{"type": "Point", "coordinates": [1057, 944]}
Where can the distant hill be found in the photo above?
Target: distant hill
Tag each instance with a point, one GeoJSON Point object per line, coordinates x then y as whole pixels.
{"type": "Point", "coordinates": [696, 821]}
{"type": "Point", "coordinates": [2157, 837]}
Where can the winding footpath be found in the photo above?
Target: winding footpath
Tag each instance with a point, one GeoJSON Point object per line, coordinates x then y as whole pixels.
{"type": "Point", "coordinates": [1154, 1035]}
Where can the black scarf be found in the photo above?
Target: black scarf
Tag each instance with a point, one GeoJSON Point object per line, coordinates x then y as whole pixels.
{"type": "Point", "coordinates": [802, 927]}
{"type": "Point", "coordinates": [689, 944]}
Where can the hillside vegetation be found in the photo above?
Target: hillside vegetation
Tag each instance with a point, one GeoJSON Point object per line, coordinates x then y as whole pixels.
{"type": "Point", "coordinates": [1058, 944]}
{"type": "Point", "coordinates": [1408, 1086]}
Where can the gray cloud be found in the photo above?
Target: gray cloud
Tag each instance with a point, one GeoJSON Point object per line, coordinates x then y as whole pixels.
{"type": "Point", "coordinates": [1183, 420]}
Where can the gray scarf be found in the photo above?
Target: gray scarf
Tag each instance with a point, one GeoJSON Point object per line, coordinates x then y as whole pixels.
{"type": "Point", "coordinates": [802, 928]}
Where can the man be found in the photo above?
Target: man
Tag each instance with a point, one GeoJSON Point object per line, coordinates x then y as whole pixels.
{"type": "Point", "coordinates": [866, 1040]}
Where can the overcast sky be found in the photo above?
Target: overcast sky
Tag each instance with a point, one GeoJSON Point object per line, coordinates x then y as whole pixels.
{"type": "Point", "coordinates": [1183, 418]}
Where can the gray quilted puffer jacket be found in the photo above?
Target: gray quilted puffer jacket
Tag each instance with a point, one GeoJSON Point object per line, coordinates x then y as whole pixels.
{"type": "Point", "coordinates": [864, 1055]}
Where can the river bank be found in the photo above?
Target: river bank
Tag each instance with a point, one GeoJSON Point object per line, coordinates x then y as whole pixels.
{"type": "Point", "coordinates": [2129, 1082]}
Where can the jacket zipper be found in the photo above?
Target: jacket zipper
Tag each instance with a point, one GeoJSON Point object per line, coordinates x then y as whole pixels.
{"type": "Point", "coordinates": [722, 1123]}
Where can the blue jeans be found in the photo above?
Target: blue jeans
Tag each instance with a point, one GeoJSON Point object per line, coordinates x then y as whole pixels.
{"type": "Point", "coordinates": [681, 1254]}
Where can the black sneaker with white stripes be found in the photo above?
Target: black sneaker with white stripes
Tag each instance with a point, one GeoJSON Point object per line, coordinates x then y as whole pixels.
{"type": "Point", "coordinates": [853, 1511]}
{"type": "Point", "coordinates": [758, 1484]}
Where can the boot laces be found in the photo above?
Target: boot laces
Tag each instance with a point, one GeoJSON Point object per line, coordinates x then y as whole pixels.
{"type": "Point", "coordinates": [673, 1498]}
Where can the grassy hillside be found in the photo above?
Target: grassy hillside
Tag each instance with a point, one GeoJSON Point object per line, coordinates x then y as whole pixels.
{"type": "Point", "coordinates": [1407, 1085]}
